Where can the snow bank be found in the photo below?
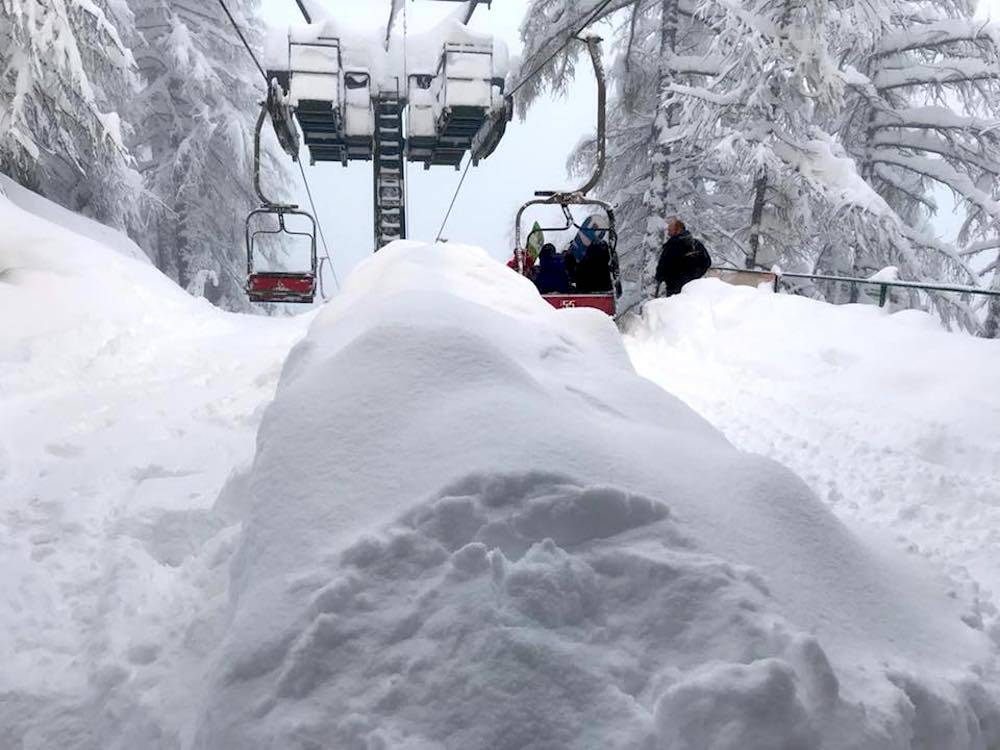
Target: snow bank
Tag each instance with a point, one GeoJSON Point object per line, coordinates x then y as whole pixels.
{"type": "Point", "coordinates": [470, 524]}
{"type": "Point", "coordinates": [125, 404]}
{"type": "Point", "coordinates": [92, 230]}
{"type": "Point", "coordinates": [894, 422]}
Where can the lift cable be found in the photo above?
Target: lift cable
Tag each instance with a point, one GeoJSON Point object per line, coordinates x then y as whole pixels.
{"type": "Point", "coordinates": [584, 23]}
{"type": "Point", "coordinates": [322, 234]}
{"type": "Point", "coordinates": [246, 44]}
{"type": "Point", "coordinates": [453, 199]}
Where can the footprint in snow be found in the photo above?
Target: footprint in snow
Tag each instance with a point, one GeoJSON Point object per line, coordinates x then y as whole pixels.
{"type": "Point", "coordinates": [64, 450]}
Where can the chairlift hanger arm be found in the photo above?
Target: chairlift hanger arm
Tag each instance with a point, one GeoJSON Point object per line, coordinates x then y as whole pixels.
{"type": "Point", "coordinates": [265, 111]}
{"type": "Point", "coordinates": [594, 47]}
{"type": "Point", "coordinates": [312, 11]}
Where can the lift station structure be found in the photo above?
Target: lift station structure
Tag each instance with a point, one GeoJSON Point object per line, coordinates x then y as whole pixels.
{"type": "Point", "coordinates": [427, 98]}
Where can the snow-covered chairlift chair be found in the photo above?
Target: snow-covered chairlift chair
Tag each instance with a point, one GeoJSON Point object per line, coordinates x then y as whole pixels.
{"type": "Point", "coordinates": [280, 286]}
{"type": "Point", "coordinates": [468, 92]}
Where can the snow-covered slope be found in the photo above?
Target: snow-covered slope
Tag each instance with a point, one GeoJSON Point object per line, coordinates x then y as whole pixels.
{"type": "Point", "coordinates": [466, 523]}
{"type": "Point", "coordinates": [894, 422]}
{"type": "Point", "coordinates": [56, 214]}
{"type": "Point", "coordinates": [470, 524]}
{"type": "Point", "coordinates": [124, 405]}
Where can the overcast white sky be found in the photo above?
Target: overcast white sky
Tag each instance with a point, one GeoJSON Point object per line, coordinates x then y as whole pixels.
{"type": "Point", "coordinates": [531, 157]}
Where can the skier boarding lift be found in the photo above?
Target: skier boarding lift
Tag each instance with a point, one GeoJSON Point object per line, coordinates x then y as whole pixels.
{"type": "Point", "coordinates": [604, 301]}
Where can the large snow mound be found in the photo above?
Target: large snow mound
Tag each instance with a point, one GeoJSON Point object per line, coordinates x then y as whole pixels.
{"type": "Point", "coordinates": [470, 524]}
{"type": "Point", "coordinates": [893, 421]}
{"type": "Point", "coordinates": [125, 403]}
{"type": "Point", "coordinates": [74, 222]}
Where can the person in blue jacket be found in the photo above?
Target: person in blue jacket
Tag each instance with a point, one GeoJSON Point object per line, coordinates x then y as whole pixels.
{"type": "Point", "coordinates": [551, 276]}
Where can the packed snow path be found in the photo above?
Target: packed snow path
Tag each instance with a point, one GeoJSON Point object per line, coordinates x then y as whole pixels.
{"type": "Point", "coordinates": [892, 421]}
{"type": "Point", "coordinates": [464, 523]}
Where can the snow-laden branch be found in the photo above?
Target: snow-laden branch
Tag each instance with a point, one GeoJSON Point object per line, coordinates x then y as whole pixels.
{"type": "Point", "coordinates": [942, 172]}
{"type": "Point", "coordinates": [949, 149]}
{"type": "Point", "coordinates": [948, 70]}
{"type": "Point", "coordinates": [938, 34]}
{"type": "Point", "coordinates": [981, 247]}
{"type": "Point", "coordinates": [702, 65]}
{"type": "Point", "coordinates": [933, 118]}
{"type": "Point", "coordinates": [727, 99]}
{"type": "Point", "coordinates": [892, 179]}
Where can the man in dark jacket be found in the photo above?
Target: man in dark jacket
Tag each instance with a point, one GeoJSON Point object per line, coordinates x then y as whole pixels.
{"type": "Point", "coordinates": [683, 259]}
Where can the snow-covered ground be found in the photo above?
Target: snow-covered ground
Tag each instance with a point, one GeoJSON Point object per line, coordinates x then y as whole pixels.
{"type": "Point", "coordinates": [892, 421]}
{"type": "Point", "coordinates": [465, 521]}
{"type": "Point", "coordinates": [124, 406]}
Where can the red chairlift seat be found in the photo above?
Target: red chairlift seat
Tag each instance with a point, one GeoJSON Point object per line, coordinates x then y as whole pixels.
{"type": "Point", "coordinates": [603, 302]}
{"type": "Point", "coordinates": [276, 286]}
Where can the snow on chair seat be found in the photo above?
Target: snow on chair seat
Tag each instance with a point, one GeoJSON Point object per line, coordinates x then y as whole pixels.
{"type": "Point", "coordinates": [603, 302]}
{"type": "Point", "coordinates": [273, 286]}
{"type": "Point", "coordinates": [315, 72]}
{"type": "Point", "coordinates": [467, 71]}
{"type": "Point", "coordinates": [359, 116]}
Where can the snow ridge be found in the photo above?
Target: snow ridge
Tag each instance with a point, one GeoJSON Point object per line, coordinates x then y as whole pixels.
{"type": "Point", "coordinates": [469, 524]}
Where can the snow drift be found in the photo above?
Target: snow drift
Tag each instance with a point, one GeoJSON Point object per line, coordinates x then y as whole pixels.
{"type": "Point", "coordinates": [470, 524]}
{"type": "Point", "coordinates": [125, 403]}
{"type": "Point", "coordinates": [81, 225]}
{"type": "Point", "coordinates": [893, 421]}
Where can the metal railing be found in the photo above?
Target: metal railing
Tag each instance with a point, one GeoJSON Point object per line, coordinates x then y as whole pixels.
{"type": "Point", "coordinates": [884, 286]}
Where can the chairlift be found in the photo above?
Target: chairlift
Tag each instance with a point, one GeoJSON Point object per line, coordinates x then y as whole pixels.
{"type": "Point", "coordinates": [606, 301]}
{"type": "Point", "coordinates": [278, 286]}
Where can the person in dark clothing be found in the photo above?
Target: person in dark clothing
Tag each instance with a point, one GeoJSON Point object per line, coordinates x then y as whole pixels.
{"type": "Point", "coordinates": [683, 259]}
{"type": "Point", "coordinates": [551, 276]}
{"type": "Point", "coordinates": [593, 275]}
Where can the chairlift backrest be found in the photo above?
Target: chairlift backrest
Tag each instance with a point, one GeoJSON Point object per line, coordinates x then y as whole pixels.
{"type": "Point", "coordinates": [254, 233]}
{"type": "Point", "coordinates": [466, 71]}
{"type": "Point", "coordinates": [359, 115]}
{"type": "Point", "coordinates": [316, 72]}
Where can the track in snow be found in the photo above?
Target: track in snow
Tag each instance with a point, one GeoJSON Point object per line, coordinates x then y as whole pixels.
{"type": "Point", "coordinates": [894, 424]}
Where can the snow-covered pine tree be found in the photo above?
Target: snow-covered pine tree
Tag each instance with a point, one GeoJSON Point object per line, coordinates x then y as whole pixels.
{"type": "Point", "coordinates": [922, 115]}
{"type": "Point", "coordinates": [197, 113]}
{"type": "Point", "coordinates": [65, 75]}
{"type": "Point", "coordinates": [778, 84]}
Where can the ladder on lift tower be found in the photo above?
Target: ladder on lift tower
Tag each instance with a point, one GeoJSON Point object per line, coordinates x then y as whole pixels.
{"type": "Point", "coordinates": [390, 195]}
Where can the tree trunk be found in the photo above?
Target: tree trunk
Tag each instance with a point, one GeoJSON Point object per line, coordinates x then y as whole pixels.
{"type": "Point", "coordinates": [657, 197]}
{"type": "Point", "coordinates": [761, 183]}
{"type": "Point", "coordinates": [757, 217]}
